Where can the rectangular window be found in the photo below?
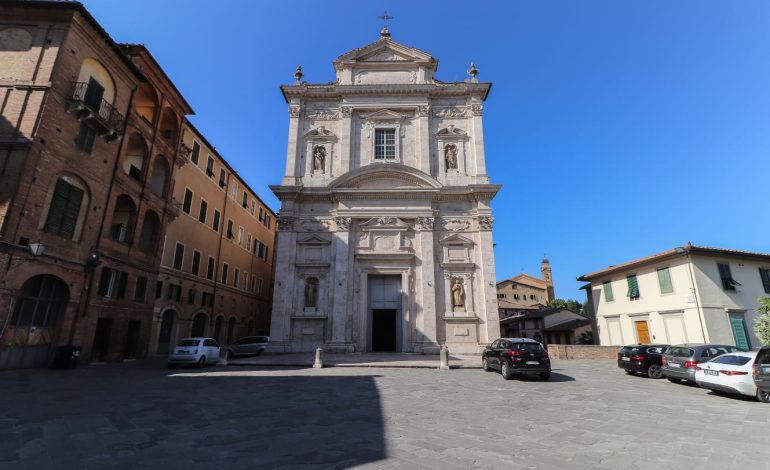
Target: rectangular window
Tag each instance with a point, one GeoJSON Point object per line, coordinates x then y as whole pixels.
{"type": "Point", "coordinates": [234, 190]}
{"type": "Point", "coordinates": [140, 290]}
{"type": "Point", "coordinates": [64, 210]}
{"type": "Point", "coordinates": [225, 267]}
{"type": "Point", "coordinates": [245, 202]}
{"type": "Point", "coordinates": [178, 256]}
{"type": "Point", "coordinates": [85, 139]}
{"type": "Point", "coordinates": [764, 274]}
{"type": "Point", "coordinates": [245, 284]}
{"type": "Point", "coordinates": [187, 204]}
{"type": "Point", "coordinates": [196, 262]}
{"type": "Point", "coordinates": [267, 221]}
{"type": "Point", "coordinates": [236, 278]}
{"type": "Point", "coordinates": [240, 236]}
{"type": "Point", "coordinates": [728, 283]}
{"type": "Point", "coordinates": [230, 234]}
{"type": "Point", "coordinates": [259, 290]}
{"type": "Point", "coordinates": [384, 144]}
{"type": "Point", "coordinates": [260, 214]}
{"type": "Point", "coordinates": [210, 167]}
{"type": "Point", "coordinates": [222, 178]}
{"type": "Point", "coordinates": [191, 294]}
{"type": "Point", "coordinates": [609, 296]}
{"type": "Point", "coordinates": [633, 287]}
{"type": "Point", "coordinates": [664, 280]}
{"type": "Point", "coordinates": [215, 222]}
{"type": "Point", "coordinates": [253, 207]}
{"type": "Point", "coordinates": [253, 283]}
{"type": "Point", "coordinates": [202, 212]}
{"type": "Point", "coordinates": [207, 299]}
{"type": "Point", "coordinates": [196, 152]}
{"type": "Point", "coordinates": [158, 289]}
{"type": "Point", "coordinates": [112, 283]}
{"type": "Point", "coordinates": [174, 292]}
{"type": "Point", "coordinates": [248, 242]}
{"type": "Point", "coordinates": [210, 269]}
{"type": "Point", "coordinates": [266, 249]}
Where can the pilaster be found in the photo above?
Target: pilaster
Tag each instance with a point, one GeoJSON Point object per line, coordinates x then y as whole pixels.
{"type": "Point", "coordinates": [293, 148]}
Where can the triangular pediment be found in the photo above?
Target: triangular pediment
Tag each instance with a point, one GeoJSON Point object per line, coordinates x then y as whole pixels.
{"type": "Point", "coordinates": [385, 50]}
{"type": "Point", "coordinates": [385, 223]}
{"type": "Point", "coordinates": [456, 239]}
{"type": "Point", "coordinates": [313, 240]}
{"type": "Point", "coordinates": [384, 115]}
{"type": "Point", "coordinates": [320, 132]}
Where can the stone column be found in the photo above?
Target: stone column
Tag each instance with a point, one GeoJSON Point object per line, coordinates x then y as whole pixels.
{"type": "Point", "coordinates": [423, 140]}
{"type": "Point", "coordinates": [489, 328]}
{"type": "Point", "coordinates": [295, 141]}
{"type": "Point", "coordinates": [338, 317]}
{"type": "Point", "coordinates": [280, 321]}
{"type": "Point", "coordinates": [428, 317]}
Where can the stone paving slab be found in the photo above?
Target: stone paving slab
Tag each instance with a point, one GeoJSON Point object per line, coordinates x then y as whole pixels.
{"type": "Point", "coordinates": [590, 415]}
{"type": "Point", "coordinates": [388, 360]}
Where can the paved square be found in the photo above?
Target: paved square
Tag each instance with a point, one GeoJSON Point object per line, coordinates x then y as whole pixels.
{"type": "Point", "coordinates": [590, 415]}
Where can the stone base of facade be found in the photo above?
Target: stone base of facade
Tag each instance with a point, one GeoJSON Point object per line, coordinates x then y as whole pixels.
{"type": "Point", "coordinates": [339, 348]}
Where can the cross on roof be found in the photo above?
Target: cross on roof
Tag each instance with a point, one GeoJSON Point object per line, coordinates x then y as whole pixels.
{"type": "Point", "coordinates": [385, 17]}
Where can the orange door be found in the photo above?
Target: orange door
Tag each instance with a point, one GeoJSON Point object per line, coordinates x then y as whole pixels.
{"type": "Point", "coordinates": [642, 332]}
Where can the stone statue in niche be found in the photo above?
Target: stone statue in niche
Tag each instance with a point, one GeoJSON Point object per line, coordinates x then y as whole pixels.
{"type": "Point", "coordinates": [319, 158]}
{"type": "Point", "coordinates": [458, 296]}
{"type": "Point", "coordinates": [450, 154]}
{"type": "Point", "coordinates": [311, 293]}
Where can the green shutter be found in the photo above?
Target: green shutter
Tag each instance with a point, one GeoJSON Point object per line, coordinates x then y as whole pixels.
{"type": "Point", "coordinates": [664, 279]}
{"type": "Point", "coordinates": [764, 274]}
{"type": "Point", "coordinates": [609, 296]}
{"type": "Point", "coordinates": [739, 332]}
{"type": "Point", "coordinates": [633, 287]}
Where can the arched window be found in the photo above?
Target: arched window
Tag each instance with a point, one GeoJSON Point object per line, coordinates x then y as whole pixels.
{"type": "Point", "coordinates": [136, 155]}
{"type": "Point", "coordinates": [122, 227]}
{"type": "Point", "coordinates": [169, 125]}
{"type": "Point", "coordinates": [67, 208]}
{"type": "Point", "coordinates": [231, 330]}
{"type": "Point", "coordinates": [148, 238]}
{"type": "Point", "coordinates": [145, 102]}
{"type": "Point", "coordinates": [159, 178]}
{"type": "Point", "coordinates": [200, 325]}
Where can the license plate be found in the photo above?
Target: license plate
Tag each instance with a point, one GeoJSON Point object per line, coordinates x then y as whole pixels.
{"type": "Point", "coordinates": [711, 372]}
{"type": "Point", "coordinates": [625, 358]}
{"type": "Point", "coordinates": [766, 369]}
{"type": "Point", "coordinates": [532, 363]}
{"type": "Point", "coordinates": [674, 365]}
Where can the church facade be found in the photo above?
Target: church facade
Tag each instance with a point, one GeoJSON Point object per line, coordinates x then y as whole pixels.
{"type": "Point", "coordinates": [385, 228]}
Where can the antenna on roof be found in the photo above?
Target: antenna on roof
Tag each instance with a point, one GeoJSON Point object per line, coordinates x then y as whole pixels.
{"type": "Point", "coordinates": [385, 33]}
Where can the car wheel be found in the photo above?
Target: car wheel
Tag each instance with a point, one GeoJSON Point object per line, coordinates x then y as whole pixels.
{"type": "Point", "coordinates": [654, 371]}
{"type": "Point", "coordinates": [505, 371]}
{"type": "Point", "coordinates": [763, 395]}
{"type": "Point", "coordinates": [545, 376]}
{"type": "Point", "coordinates": [485, 365]}
{"type": "Point", "coordinates": [202, 362]}
{"type": "Point", "coordinates": [630, 372]}
{"type": "Point", "coordinates": [673, 380]}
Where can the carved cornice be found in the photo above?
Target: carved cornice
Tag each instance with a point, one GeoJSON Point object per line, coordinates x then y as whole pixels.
{"type": "Point", "coordinates": [343, 223]}
{"type": "Point", "coordinates": [485, 222]}
{"type": "Point", "coordinates": [425, 223]}
{"type": "Point", "coordinates": [323, 114]}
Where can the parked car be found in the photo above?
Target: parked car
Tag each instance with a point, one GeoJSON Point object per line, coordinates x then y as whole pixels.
{"type": "Point", "coordinates": [680, 361]}
{"type": "Point", "coordinates": [729, 373]}
{"type": "Point", "coordinates": [517, 356]}
{"type": "Point", "coordinates": [761, 374]}
{"type": "Point", "coordinates": [248, 346]}
{"type": "Point", "coordinates": [194, 351]}
{"type": "Point", "coordinates": [643, 359]}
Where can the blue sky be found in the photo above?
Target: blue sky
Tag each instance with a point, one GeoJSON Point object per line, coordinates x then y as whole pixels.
{"type": "Point", "coordinates": [617, 128]}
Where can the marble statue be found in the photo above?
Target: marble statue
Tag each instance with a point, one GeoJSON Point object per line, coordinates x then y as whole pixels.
{"type": "Point", "coordinates": [319, 158]}
{"type": "Point", "coordinates": [450, 153]}
{"type": "Point", "coordinates": [311, 292]}
{"type": "Point", "coordinates": [458, 295]}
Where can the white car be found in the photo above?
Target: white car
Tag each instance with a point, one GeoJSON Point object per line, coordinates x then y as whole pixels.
{"type": "Point", "coordinates": [195, 351]}
{"type": "Point", "coordinates": [730, 373]}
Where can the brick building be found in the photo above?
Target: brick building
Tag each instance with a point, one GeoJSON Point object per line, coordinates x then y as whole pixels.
{"type": "Point", "coordinates": [217, 269]}
{"type": "Point", "coordinates": [90, 141]}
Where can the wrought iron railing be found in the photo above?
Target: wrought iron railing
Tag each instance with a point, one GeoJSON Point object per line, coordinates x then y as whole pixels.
{"type": "Point", "coordinates": [100, 109]}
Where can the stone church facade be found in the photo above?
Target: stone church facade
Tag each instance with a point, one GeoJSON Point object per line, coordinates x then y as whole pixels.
{"type": "Point", "coordinates": [385, 229]}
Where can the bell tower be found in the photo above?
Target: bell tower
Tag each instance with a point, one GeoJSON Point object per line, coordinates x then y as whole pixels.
{"type": "Point", "coordinates": [547, 276]}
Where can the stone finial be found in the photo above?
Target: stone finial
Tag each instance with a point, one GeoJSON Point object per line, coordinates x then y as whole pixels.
{"type": "Point", "coordinates": [298, 75]}
{"type": "Point", "coordinates": [473, 72]}
{"type": "Point", "coordinates": [444, 358]}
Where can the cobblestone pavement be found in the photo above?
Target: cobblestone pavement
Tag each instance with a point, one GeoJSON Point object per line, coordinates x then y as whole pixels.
{"type": "Point", "coordinates": [590, 415]}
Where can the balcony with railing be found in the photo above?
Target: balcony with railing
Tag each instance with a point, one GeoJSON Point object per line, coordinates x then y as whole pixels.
{"type": "Point", "coordinates": [88, 103]}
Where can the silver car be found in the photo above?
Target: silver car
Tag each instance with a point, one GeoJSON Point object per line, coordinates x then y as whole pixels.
{"type": "Point", "coordinates": [681, 360]}
{"type": "Point", "coordinates": [248, 346]}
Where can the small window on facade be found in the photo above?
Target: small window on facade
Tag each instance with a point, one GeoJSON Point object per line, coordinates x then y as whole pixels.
{"type": "Point", "coordinates": [178, 256]}
{"type": "Point", "coordinates": [196, 262]}
{"type": "Point", "coordinates": [210, 167]}
{"type": "Point", "coordinates": [140, 290]}
{"type": "Point", "coordinates": [384, 144]}
{"type": "Point", "coordinates": [196, 152]}
{"type": "Point", "coordinates": [253, 283]}
{"type": "Point", "coordinates": [85, 139]}
{"type": "Point", "coordinates": [64, 210]}
{"type": "Point", "coordinates": [230, 234]}
{"type": "Point", "coordinates": [187, 204]}
{"type": "Point", "coordinates": [222, 178]}
{"type": "Point", "coordinates": [260, 214]}
{"type": "Point", "coordinates": [609, 296]}
{"type": "Point", "coordinates": [234, 190]}
{"type": "Point", "coordinates": [259, 289]}
{"type": "Point", "coordinates": [215, 222]}
{"type": "Point", "coordinates": [728, 283]}
{"type": "Point", "coordinates": [764, 274]}
{"type": "Point", "coordinates": [633, 287]}
{"type": "Point", "coordinates": [253, 207]}
{"type": "Point", "coordinates": [210, 268]}
{"type": "Point", "coordinates": [158, 289]}
{"type": "Point", "coordinates": [248, 242]}
{"type": "Point", "coordinates": [202, 212]}
{"type": "Point", "coordinates": [225, 268]}
{"type": "Point", "coordinates": [240, 235]}
{"type": "Point", "coordinates": [236, 278]}
{"type": "Point", "coordinates": [664, 281]}
{"type": "Point", "coordinates": [112, 283]}
{"type": "Point", "coordinates": [245, 201]}
{"type": "Point", "coordinates": [191, 294]}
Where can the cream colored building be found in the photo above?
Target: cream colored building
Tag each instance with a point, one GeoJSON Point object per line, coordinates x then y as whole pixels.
{"type": "Point", "coordinates": [689, 294]}
{"type": "Point", "coordinates": [385, 232]}
{"type": "Point", "coordinates": [217, 265]}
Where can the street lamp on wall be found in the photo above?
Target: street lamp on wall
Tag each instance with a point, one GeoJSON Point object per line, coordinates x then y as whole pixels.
{"type": "Point", "coordinates": [36, 249]}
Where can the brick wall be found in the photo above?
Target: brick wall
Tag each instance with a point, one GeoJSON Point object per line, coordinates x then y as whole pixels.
{"type": "Point", "coordinates": [561, 351]}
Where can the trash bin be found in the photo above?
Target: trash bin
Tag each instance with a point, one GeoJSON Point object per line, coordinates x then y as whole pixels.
{"type": "Point", "coordinates": [66, 357]}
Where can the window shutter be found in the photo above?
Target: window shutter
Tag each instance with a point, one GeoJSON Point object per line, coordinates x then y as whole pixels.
{"type": "Point", "coordinates": [633, 287]}
{"type": "Point", "coordinates": [608, 294]}
{"type": "Point", "coordinates": [765, 275]}
{"type": "Point", "coordinates": [664, 279]}
{"type": "Point", "coordinates": [70, 218]}
{"type": "Point", "coordinates": [94, 94]}
{"type": "Point", "coordinates": [122, 281]}
{"type": "Point", "coordinates": [58, 208]}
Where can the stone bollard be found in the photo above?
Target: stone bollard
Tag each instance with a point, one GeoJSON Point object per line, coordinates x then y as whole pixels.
{"type": "Point", "coordinates": [318, 364]}
{"type": "Point", "coordinates": [444, 358]}
{"type": "Point", "coordinates": [222, 360]}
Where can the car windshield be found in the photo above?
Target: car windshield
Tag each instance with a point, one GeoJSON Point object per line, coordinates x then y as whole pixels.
{"type": "Point", "coordinates": [188, 342]}
{"type": "Point", "coordinates": [732, 360]}
{"type": "Point", "coordinates": [681, 352]}
{"type": "Point", "coordinates": [763, 357]}
{"type": "Point", "coordinates": [657, 350]}
{"type": "Point", "coordinates": [629, 350]}
{"type": "Point", "coordinates": [529, 347]}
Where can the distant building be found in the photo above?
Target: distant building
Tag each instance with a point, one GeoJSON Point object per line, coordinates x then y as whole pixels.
{"type": "Point", "coordinates": [548, 326]}
{"type": "Point", "coordinates": [688, 294]}
{"type": "Point", "coordinates": [524, 293]}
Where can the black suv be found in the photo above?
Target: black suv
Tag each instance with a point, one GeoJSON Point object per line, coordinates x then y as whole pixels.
{"type": "Point", "coordinates": [517, 356]}
{"type": "Point", "coordinates": [762, 374]}
{"type": "Point", "coordinates": [643, 359]}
